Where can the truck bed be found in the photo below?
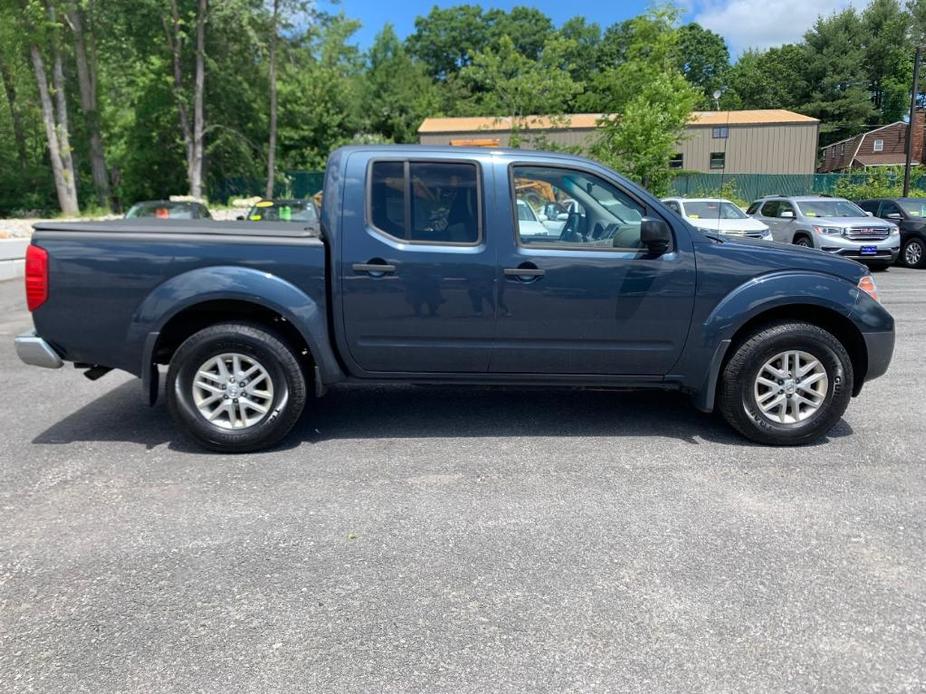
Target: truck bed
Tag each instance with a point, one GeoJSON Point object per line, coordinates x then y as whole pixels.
{"type": "Point", "coordinates": [112, 282]}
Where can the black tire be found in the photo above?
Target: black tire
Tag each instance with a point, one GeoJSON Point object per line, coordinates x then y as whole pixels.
{"type": "Point", "coordinates": [253, 341]}
{"type": "Point", "coordinates": [878, 267]}
{"type": "Point", "coordinates": [914, 244]}
{"type": "Point", "coordinates": [736, 396]}
{"type": "Point", "coordinates": [803, 240]}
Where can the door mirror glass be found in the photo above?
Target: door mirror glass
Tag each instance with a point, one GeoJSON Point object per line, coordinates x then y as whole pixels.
{"type": "Point", "coordinates": [786, 214]}
{"type": "Point", "coordinates": [655, 235]}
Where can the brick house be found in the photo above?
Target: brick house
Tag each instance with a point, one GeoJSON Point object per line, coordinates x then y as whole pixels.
{"type": "Point", "coordinates": [884, 146]}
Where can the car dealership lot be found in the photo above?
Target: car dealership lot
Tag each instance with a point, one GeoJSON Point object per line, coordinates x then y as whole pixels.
{"type": "Point", "coordinates": [432, 539]}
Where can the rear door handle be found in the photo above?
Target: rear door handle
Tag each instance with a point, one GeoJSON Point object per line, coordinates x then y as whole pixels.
{"type": "Point", "coordinates": [374, 269]}
{"type": "Point", "coordinates": [524, 272]}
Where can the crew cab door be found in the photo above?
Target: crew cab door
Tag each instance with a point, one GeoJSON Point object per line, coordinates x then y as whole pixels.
{"type": "Point", "coordinates": [417, 279]}
{"type": "Point", "coordinates": [590, 299]}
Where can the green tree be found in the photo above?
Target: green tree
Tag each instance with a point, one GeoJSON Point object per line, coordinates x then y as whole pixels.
{"type": "Point", "coordinates": [888, 50]}
{"type": "Point", "coordinates": [446, 40]}
{"type": "Point", "coordinates": [834, 68]}
{"type": "Point", "coordinates": [650, 103]}
{"type": "Point", "coordinates": [768, 79]}
{"type": "Point", "coordinates": [704, 60]}
{"type": "Point", "coordinates": [508, 84]}
{"type": "Point", "coordinates": [398, 94]}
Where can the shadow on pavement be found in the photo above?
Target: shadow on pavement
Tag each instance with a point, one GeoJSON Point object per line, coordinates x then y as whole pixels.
{"type": "Point", "coordinates": [419, 412]}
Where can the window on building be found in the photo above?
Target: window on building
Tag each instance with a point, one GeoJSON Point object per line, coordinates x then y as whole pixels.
{"type": "Point", "coordinates": [426, 202]}
{"type": "Point", "coordinates": [720, 133]}
{"type": "Point", "coordinates": [878, 146]}
{"type": "Point", "coordinates": [677, 161]}
{"type": "Point", "coordinates": [718, 160]}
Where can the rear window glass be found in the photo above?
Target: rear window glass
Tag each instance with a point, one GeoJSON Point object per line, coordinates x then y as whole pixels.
{"type": "Point", "coordinates": [426, 202]}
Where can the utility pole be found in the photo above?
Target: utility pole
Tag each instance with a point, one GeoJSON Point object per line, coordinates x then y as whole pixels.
{"type": "Point", "coordinates": [913, 99]}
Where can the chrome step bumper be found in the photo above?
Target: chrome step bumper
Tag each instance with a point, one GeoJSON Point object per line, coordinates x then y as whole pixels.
{"type": "Point", "coordinates": [33, 350]}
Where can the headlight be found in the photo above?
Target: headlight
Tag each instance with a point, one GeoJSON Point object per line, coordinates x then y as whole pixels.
{"type": "Point", "coordinates": [895, 230]}
{"type": "Point", "coordinates": [867, 285]}
{"type": "Point", "coordinates": [767, 234]}
{"type": "Point", "coordinates": [832, 231]}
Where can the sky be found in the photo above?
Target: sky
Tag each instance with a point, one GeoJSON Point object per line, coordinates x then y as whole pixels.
{"type": "Point", "coordinates": [743, 23]}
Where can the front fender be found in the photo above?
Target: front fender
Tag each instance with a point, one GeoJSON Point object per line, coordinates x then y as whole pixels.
{"type": "Point", "coordinates": [710, 338]}
{"type": "Point", "coordinates": [220, 282]}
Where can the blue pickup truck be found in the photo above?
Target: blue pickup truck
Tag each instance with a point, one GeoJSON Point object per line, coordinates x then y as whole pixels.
{"type": "Point", "coordinates": [426, 269]}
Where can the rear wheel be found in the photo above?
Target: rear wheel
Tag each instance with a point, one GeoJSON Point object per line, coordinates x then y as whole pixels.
{"type": "Point", "coordinates": [235, 387]}
{"type": "Point", "coordinates": [804, 241]}
{"type": "Point", "coordinates": [787, 384]}
{"type": "Point", "coordinates": [913, 253]}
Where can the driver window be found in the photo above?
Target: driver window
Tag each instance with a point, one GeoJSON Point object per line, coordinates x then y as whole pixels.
{"type": "Point", "coordinates": [574, 209]}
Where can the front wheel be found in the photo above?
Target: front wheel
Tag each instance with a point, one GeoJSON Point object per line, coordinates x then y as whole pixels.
{"type": "Point", "coordinates": [787, 384]}
{"type": "Point", "coordinates": [913, 253]}
{"type": "Point", "coordinates": [235, 387]}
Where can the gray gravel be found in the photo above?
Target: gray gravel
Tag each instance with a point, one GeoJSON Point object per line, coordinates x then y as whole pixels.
{"type": "Point", "coordinates": [477, 540]}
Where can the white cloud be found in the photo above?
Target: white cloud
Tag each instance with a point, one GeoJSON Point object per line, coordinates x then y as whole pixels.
{"type": "Point", "coordinates": [763, 23]}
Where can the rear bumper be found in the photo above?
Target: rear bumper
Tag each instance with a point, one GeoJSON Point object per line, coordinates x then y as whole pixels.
{"type": "Point", "coordinates": [880, 349]}
{"type": "Point", "coordinates": [33, 350]}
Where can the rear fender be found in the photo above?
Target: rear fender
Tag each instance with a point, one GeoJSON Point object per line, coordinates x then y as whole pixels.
{"type": "Point", "coordinates": [231, 283]}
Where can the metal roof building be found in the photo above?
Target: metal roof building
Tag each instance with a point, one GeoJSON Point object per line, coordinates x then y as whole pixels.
{"type": "Point", "coordinates": [771, 141]}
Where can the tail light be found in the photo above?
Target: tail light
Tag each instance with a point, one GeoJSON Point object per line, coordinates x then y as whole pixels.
{"type": "Point", "coordinates": [36, 276]}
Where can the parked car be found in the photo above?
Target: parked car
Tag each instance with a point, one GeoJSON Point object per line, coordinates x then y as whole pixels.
{"type": "Point", "coordinates": [720, 216]}
{"type": "Point", "coordinates": [423, 273]}
{"type": "Point", "coordinates": [528, 222]}
{"type": "Point", "coordinates": [278, 210]}
{"type": "Point", "coordinates": [835, 225]}
{"type": "Point", "coordinates": [910, 215]}
{"type": "Point", "coordinates": [168, 209]}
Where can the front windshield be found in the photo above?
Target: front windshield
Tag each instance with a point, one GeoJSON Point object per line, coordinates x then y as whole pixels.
{"type": "Point", "coordinates": [713, 209]}
{"type": "Point", "coordinates": [830, 208]}
{"type": "Point", "coordinates": [914, 208]}
{"type": "Point", "coordinates": [289, 211]}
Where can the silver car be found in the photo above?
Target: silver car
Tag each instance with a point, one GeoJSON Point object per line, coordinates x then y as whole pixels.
{"type": "Point", "coordinates": [835, 225]}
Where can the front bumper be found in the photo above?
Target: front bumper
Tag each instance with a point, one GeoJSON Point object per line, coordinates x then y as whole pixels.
{"type": "Point", "coordinates": [886, 250]}
{"type": "Point", "coordinates": [33, 350]}
{"type": "Point", "coordinates": [880, 349]}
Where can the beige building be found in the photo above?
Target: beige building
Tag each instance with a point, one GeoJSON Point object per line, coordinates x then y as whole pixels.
{"type": "Point", "coordinates": [772, 141]}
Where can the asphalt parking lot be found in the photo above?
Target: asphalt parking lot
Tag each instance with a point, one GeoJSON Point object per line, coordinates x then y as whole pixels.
{"type": "Point", "coordinates": [415, 539]}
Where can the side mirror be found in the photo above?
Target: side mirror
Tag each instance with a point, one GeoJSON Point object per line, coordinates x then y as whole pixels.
{"type": "Point", "coordinates": [787, 214]}
{"type": "Point", "coordinates": [894, 215]}
{"type": "Point", "coordinates": [562, 216]}
{"type": "Point", "coordinates": [655, 235]}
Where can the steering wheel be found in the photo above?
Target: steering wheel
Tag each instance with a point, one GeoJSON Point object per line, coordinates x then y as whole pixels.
{"type": "Point", "coordinates": [570, 232]}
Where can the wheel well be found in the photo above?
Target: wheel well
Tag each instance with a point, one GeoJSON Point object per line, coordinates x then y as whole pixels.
{"type": "Point", "coordinates": [195, 318]}
{"type": "Point", "coordinates": [803, 235]}
{"type": "Point", "coordinates": [837, 324]}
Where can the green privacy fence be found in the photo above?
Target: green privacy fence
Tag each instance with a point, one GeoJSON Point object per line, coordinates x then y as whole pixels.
{"type": "Point", "coordinates": [752, 186]}
{"type": "Point", "coordinates": [291, 184]}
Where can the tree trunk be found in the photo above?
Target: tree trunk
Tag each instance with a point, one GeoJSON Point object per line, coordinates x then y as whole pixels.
{"type": "Point", "coordinates": [88, 104]}
{"type": "Point", "coordinates": [175, 41]}
{"type": "Point", "coordinates": [67, 196]}
{"type": "Point", "coordinates": [272, 144]}
{"type": "Point", "coordinates": [61, 112]}
{"type": "Point", "coordinates": [196, 165]}
{"type": "Point", "coordinates": [19, 134]}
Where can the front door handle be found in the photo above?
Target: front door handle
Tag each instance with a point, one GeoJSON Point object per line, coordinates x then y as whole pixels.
{"type": "Point", "coordinates": [374, 269]}
{"type": "Point", "coordinates": [526, 272]}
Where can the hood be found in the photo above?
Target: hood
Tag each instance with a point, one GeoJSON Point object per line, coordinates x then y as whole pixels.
{"type": "Point", "coordinates": [729, 225]}
{"type": "Point", "coordinates": [773, 256]}
{"type": "Point", "coordinates": [850, 222]}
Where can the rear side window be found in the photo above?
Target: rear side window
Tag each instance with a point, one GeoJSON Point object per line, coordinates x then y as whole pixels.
{"type": "Point", "coordinates": [426, 202]}
{"type": "Point", "coordinates": [753, 208]}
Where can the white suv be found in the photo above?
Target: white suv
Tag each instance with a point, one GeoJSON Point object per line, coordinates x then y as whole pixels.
{"type": "Point", "coordinates": [718, 215]}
